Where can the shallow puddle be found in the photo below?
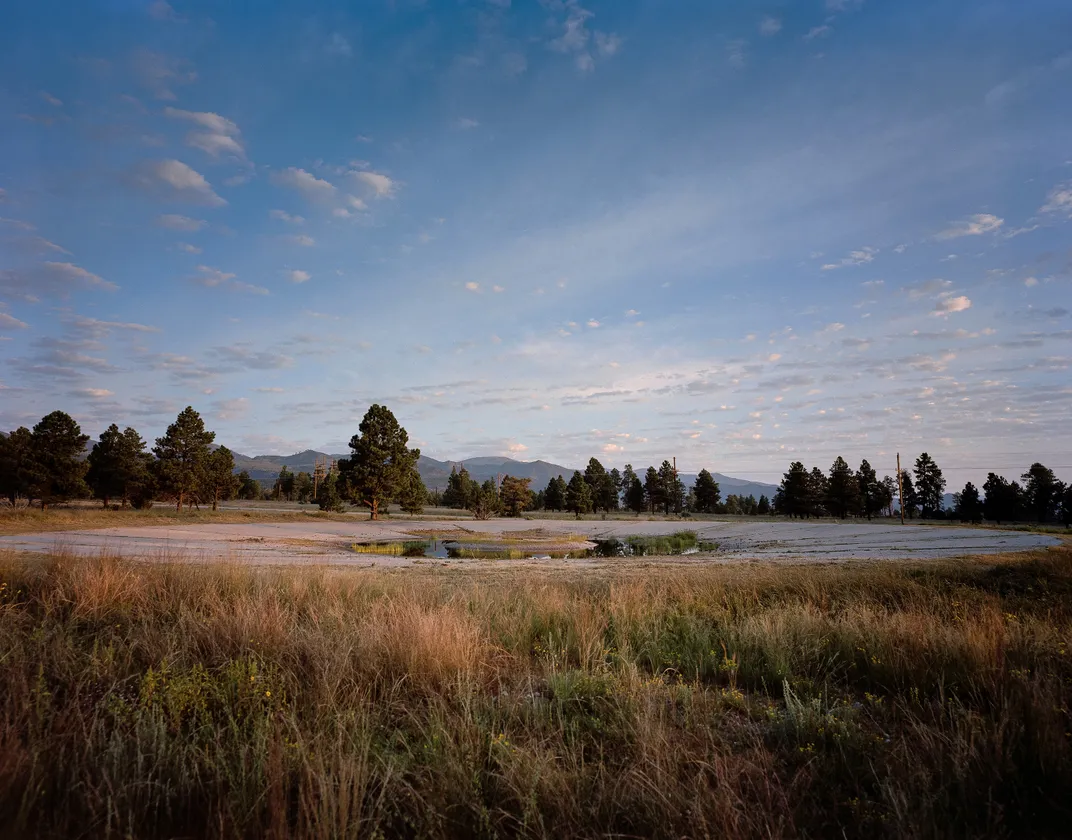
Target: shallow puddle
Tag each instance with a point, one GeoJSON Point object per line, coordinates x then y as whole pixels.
{"type": "Point", "coordinates": [672, 544]}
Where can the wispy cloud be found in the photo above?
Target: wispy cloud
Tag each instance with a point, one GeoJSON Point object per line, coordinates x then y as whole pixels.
{"type": "Point", "coordinates": [174, 221]}
{"type": "Point", "coordinates": [215, 136]}
{"type": "Point", "coordinates": [1059, 200]}
{"type": "Point", "coordinates": [975, 225]}
{"type": "Point", "coordinates": [862, 257]}
{"type": "Point", "coordinates": [185, 183]}
{"type": "Point", "coordinates": [770, 25]}
{"type": "Point", "coordinates": [311, 187]}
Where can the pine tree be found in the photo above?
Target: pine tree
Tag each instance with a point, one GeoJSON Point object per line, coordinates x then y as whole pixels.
{"type": "Point", "coordinates": [707, 492]}
{"type": "Point", "coordinates": [967, 505]}
{"type": "Point", "coordinates": [181, 455]}
{"type": "Point", "coordinates": [461, 489]}
{"type": "Point", "coordinates": [930, 485]}
{"type": "Point", "coordinates": [653, 490]}
{"type": "Point", "coordinates": [554, 497]}
{"type": "Point", "coordinates": [616, 482]}
{"type": "Point", "coordinates": [119, 466]}
{"type": "Point", "coordinates": [578, 495]}
{"type": "Point", "coordinates": [909, 501]}
{"type": "Point", "coordinates": [818, 492]}
{"type": "Point", "coordinates": [381, 464]}
{"type": "Point", "coordinates": [870, 490]}
{"type": "Point", "coordinates": [1042, 492]}
{"type": "Point", "coordinates": [793, 493]}
{"type": "Point", "coordinates": [17, 466]}
{"type": "Point", "coordinates": [328, 497]}
{"type": "Point", "coordinates": [515, 495]}
{"type": "Point", "coordinates": [284, 484]}
{"type": "Point", "coordinates": [303, 487]}
{"type": "Point", "coordinates": [218, 480]}
{"type": "Point", "coordinates": [887, 493]}
{"type": "Point", "coordinates": [58, 446]}
{"type": "Point", "coordinates": [764, 506]}
{"type": "Point", "coordinates": [842, 490]}
{"type": "Point", "coordinates": [673, 489]}
{"type": "Point", "coordinates": [248, 488]}
{"type": "Point", "coordinates": [413, 495]}
{"type": "Point", "coordinates": [485, 503]}
{"type": "Point", "coordinates": [633, 490]}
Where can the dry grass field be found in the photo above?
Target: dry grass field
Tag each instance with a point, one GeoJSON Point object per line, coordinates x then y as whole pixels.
{"type": "Point", "coordinates": [881, 700]}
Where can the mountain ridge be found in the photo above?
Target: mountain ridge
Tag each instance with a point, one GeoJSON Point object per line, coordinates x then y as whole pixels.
{"type": "Point", "coordinates": [434, 473]}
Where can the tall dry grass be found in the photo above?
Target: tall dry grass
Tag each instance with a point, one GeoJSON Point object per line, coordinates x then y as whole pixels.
{"type": "Point", "coordinates": [926, 700]}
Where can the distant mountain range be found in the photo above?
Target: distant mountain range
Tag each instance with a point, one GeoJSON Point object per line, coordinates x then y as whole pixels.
{"type": "Point", "coordinates": [435, 473]}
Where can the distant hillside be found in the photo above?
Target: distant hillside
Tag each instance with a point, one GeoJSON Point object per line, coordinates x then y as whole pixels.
{"type": "Point", "coordinates": [435, 473]}
{"type": "Point", "coordinates": [736, 486]}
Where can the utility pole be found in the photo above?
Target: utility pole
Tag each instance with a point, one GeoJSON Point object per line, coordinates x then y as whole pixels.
{"type": "Point", "coordinates": [900, 487]}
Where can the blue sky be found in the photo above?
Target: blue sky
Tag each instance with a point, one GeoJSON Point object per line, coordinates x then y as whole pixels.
{"type": "Point", "coordinates": [735, 233]}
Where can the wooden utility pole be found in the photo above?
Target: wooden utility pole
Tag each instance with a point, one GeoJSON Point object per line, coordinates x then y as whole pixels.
{"type": "Point", "coordinates": [900, 487]}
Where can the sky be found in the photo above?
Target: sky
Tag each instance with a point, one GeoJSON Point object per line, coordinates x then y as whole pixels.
{"type": "Point", "coordinates": [738, 234]}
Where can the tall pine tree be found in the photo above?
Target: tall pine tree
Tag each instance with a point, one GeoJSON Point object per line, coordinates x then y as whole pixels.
{"type": "Point", "coordinates": [182, 455]}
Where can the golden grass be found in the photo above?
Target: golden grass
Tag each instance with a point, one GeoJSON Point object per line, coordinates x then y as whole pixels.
{"type": "Point", "coordinates": [889, 700]}
{"type": "Point", "coordinates": [32, 520]}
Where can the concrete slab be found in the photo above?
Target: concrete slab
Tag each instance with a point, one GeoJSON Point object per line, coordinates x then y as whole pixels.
{"type": "Point", "coordinates": [329, 542]}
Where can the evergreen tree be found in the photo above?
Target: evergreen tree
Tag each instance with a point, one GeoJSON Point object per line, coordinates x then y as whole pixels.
{"type": "Point", "coordinates": [870, 490]}
{"type": "Point", "coordinates": [412, 496]}
{"type": "Point", "coordinates": [381, 465]}
{"type": "Point", "coordinates": [485, 503]}
{"type": "Point", "coordinates": [602, 486]}
{"type": "Point", "coordinates": [967, 505]}
{"type": "Point", "coordinates": [181, 455]}
{"type": "Point", "coordinates": [328, 497]}
{"type": "Point", "coordinates": [515, 495]}
{"type": "Point", "coordinates": [616, 482]}
{"type": "Point", "coordinates": [842, 490]}
{"type": "Point", "coordinates": [58, 447]}
{"type": "Point", "coordinates": [653, 490]}
{"type": "Point", "coordinates": [887, 493]}
{"type": "Point", "coordinates": [633, 490]}
{"type": "Point", "coordinates": [707, 492]}
{"type": "Point", "coordinates": [17, 465]}
{"type": "Point", "coordinates": [673, 489]}
{"type": "Point", "coordinates": [1042, 492]}
{"type": "Point", "coordinates": [554, 497]}
{"type": "Point", "coordinates": [930, 485]}
{"type": "Point", "coordinates": [284, 484]}
{"type": "Point", "coordinates": [578, 495]}
{"type": "Point", "coordinates": [1066, 506]}
{"type": "Point", "coordinates": [793, 493]}
{"type": "Point", "coordinates": [910, 500]}
{"type": "Point", "coordinates": [119, 466]}
{"type": "Point", "coordinates": [764, 506]}
{"type": "Point", "coordinates": [248, 488]}
{"type": "Point", "coordinates": [461, 489]}
{"type": "Point", "coordinates": [303, 486]}
{"type": "Point", "coordinates": [818, 492]}
{"type": "Point", "coordinates": [218, 478]}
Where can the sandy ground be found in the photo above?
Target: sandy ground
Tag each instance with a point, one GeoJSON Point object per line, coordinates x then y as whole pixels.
{"type": "Point", "coordinates": [329, 542]}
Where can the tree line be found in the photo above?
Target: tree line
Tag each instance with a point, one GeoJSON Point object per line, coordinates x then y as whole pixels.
{"type": "Point", "coordinates": [48, 464]}
{"type": "Point", "coordinates": [843, 493]}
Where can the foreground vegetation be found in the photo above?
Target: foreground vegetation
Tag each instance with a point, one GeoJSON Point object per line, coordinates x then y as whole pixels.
{"type": "Point", "coordinates": [739, 701]}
